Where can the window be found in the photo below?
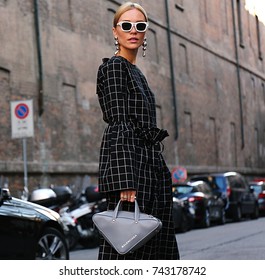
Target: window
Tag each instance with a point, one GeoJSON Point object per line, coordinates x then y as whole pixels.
{"type": "Point", "coordinates": [5, 122]}
{"type": "Point", "coordinates": [159, 114]}
{"type": "Point", "coordinates": [70, 146]}
{"type": "Point", "coordinates": [240, 183]}
{"type": "Point", "coordinates": [253, 87]}
{"type": "Point", "coordinates": [4, 80]}
{"type": "Point", "coordinates": [263, 150]}
{"type": "Point", "coordinates": [239, 21]}
{"type": "Point", "coordinates": [188, 127]}
{"type": "Point", "coordinates": [213, 13]}
{"type": "Point", "coordinates": [152, 52]}
{"type": "Point", "coordinates": [109, 36]}
{"type": "Point", "coordinates": [184, 65]}
{"type": "Point", "coordinates": [213, 150]}
{"type": "Point", "coordinates": [258, 37]}
{"type": "Point", "coordinates": [257, 144]}
{"type": "Point", "coordinates": [224, 21]}
{"type": "Point", "coordinates": [64, 13]}
{"type": "Point", "coordinates": [233, 151]}
{"type": "Point", "coordinates": [263, 91]}
{"type": "Point", "coordinates": [206, 10]}
{"type": "Point", "coordinates": [235, 182]}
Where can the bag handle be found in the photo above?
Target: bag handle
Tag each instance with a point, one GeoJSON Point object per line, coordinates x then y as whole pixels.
{"type": "Point", "coordinates": [136, 211]}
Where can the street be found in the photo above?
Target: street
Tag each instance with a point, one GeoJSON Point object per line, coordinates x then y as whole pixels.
{"type": "Point", "coordinates": [233, 241]}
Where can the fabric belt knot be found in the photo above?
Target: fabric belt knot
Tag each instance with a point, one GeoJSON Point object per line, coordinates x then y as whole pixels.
{"type": "Point", "coordinates": [151, 135]}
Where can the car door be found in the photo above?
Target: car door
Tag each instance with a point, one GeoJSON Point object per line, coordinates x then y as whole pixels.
{"type": "Point", "coordinates": [215, 202]}
{"type": "Point", "coordinates": [248, 198]}
{"type": "Point", "coordinates": [32, 223]}
{"type": "Point", "coordinates": [212, 201]}
{"type": "Point", "coordinates": [11, 245]}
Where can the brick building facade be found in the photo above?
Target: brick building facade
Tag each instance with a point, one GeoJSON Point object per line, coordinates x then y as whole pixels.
{"type": "Point", "coordinates": [205, 64]}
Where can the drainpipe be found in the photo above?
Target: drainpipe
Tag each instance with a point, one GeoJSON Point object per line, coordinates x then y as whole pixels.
{"type": "Point", "coordinates": [39, 56]}
{"type": "Point", "coordinates": [238, 78]}
{"type": "Point", "coordinates": [43, 159]}
{"type": "Point", "coordinates": [172, 71]}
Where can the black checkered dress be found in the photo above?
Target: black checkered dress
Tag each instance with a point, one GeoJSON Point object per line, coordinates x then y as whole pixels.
{"type": "Point", "coordinates": [131, 160]}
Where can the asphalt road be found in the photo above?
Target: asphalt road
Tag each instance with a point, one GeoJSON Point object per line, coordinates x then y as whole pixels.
{"type": "Point", "coordinates": [244, 240]}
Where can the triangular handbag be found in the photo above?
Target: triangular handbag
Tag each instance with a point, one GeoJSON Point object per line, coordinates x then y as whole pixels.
{"type": "Point", "coordinates": [126, 231]}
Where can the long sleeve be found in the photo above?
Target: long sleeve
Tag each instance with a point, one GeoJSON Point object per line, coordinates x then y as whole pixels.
{"type": "Point", "coordinates": [112, 91]}
{"type": "Point", "coordinates": [117, 158]}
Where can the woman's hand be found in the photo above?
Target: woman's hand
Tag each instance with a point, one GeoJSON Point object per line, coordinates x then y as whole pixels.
{"type": "Point", "coordinates": [128, 195]}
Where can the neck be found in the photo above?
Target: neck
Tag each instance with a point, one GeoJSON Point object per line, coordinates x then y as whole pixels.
{"type": "Point", "coordinates": [130, 55]}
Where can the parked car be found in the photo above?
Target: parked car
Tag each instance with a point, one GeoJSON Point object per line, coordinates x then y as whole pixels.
{"type": "Point", "coordinates": [30, 231]}
{"type": "Point", "coordinates": [239, 198]}
{"type": "Point", "coordinates": [259, 191]}
{"type": "Point", "coordinates": [207, 204]}
{"type": "Point", "coordinates": [183, 212]}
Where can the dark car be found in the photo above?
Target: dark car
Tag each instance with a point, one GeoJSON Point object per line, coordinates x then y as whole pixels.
{"type": "Point", "coordinates": [239, 198]}
{"type": "Point", "coordinates": [183, 213]}
{"type": "Point", "coordinates": [259, 190]}
{"type": "Point", "coordinates": [29, 231]}
{"type": "Point", "coordinates": [208, 205]}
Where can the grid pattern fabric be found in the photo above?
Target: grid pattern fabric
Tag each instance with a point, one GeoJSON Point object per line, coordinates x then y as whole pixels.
{"type": "Point", "coordinates": [127, 161]}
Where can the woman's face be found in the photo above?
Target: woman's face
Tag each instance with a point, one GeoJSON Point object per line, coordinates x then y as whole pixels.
{"type": "Point", "coordinates": [132, 40]}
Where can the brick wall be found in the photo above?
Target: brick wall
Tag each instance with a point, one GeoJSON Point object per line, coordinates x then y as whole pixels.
{"type": "Point", "coordinates": [219, 127]}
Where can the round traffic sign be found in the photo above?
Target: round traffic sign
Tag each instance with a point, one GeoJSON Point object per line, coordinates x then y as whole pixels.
{"type": "Point", "coordinates": [179, 174]}
{"type": "Point", "coordinates": [21, 111]}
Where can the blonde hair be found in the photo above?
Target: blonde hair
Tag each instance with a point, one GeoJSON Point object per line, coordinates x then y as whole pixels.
{"type": "Point", "coordinates": [126, 7]}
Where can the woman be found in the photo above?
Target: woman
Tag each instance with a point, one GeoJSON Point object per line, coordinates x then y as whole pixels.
{"type": "Point", "coordinates": [131, 164]}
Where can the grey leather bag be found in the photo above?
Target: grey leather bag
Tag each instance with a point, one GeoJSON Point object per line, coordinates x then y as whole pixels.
{"type": "Point", "coordinates": [126, 231]}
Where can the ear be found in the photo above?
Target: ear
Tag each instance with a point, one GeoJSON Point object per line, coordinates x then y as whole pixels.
{"type": "Point", "coordinates": [114, 32]}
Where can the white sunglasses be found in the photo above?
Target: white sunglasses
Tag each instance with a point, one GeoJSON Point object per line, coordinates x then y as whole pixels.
{"type": "Point", "coordinates": [127, 26]}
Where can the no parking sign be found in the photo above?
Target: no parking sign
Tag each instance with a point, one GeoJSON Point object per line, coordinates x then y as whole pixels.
{"type": "Point", "coordinates": [179, 174]}
{"type": "Point", "coordinates": [22, 119]}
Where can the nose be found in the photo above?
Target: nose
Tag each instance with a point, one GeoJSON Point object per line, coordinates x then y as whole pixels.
{"type": "Point", "coordinates": [134, 30]}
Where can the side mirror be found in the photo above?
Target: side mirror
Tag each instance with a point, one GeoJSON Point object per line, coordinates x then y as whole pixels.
{"type": "Point", "coordinates": [4, 195]}
{"type": "Point", "coordinates": [251, 190]}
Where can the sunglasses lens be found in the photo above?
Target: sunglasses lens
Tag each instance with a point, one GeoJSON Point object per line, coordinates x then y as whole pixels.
{"type": "Point", "coordinates": [141, 26]}
{"type": "Point", "coordinates": [126, 26]}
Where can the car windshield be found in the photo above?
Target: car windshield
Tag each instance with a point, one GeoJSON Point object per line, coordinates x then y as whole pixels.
{"type": "Point", "coordinates": [183, 189]}
{"type": "Point", "coordinates": [257, 188]}
{"type": "Point", "coordinates": [220, 182]}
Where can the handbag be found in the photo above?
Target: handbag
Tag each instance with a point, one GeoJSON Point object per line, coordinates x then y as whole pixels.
{"type": "Point", "coordinates": [126, 231]}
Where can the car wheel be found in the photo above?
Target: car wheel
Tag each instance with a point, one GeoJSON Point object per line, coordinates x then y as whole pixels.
{"type": "Point", "coordinates": [72, 238]}
{"type": "Point", "coordinates": [91, 240]}
{"type": "Point", "coordinates": [255, 214]}
{"type": "Point", "coordinates": [223, 217]}
{"type": "Point", "coordinates": [206, 219]}
{"type": "Point", "coordinates": [52, 246]}
{"type": "Point", "coordinates": [184, 225]}
{"type": "Point", "coordinates": [237, 214]}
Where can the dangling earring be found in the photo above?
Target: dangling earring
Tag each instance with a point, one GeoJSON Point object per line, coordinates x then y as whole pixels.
{"type": "Point", "coordinates": [144, 46]}
{"type": "Point", "coordinates": [116, 45]}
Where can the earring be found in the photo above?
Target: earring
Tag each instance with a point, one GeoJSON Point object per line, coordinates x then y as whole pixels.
{"type": "Point", "coordinates": [116, 45]}
{"type": "Point", "coordinates": [144, 46]}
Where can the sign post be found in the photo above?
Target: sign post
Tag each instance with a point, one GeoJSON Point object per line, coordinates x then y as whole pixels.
{"type": "Point", "coordinates": [22, 127]}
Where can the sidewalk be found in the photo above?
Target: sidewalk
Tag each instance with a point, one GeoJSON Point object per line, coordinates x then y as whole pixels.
{"type": "Point", "coordinates": [84, 254]}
